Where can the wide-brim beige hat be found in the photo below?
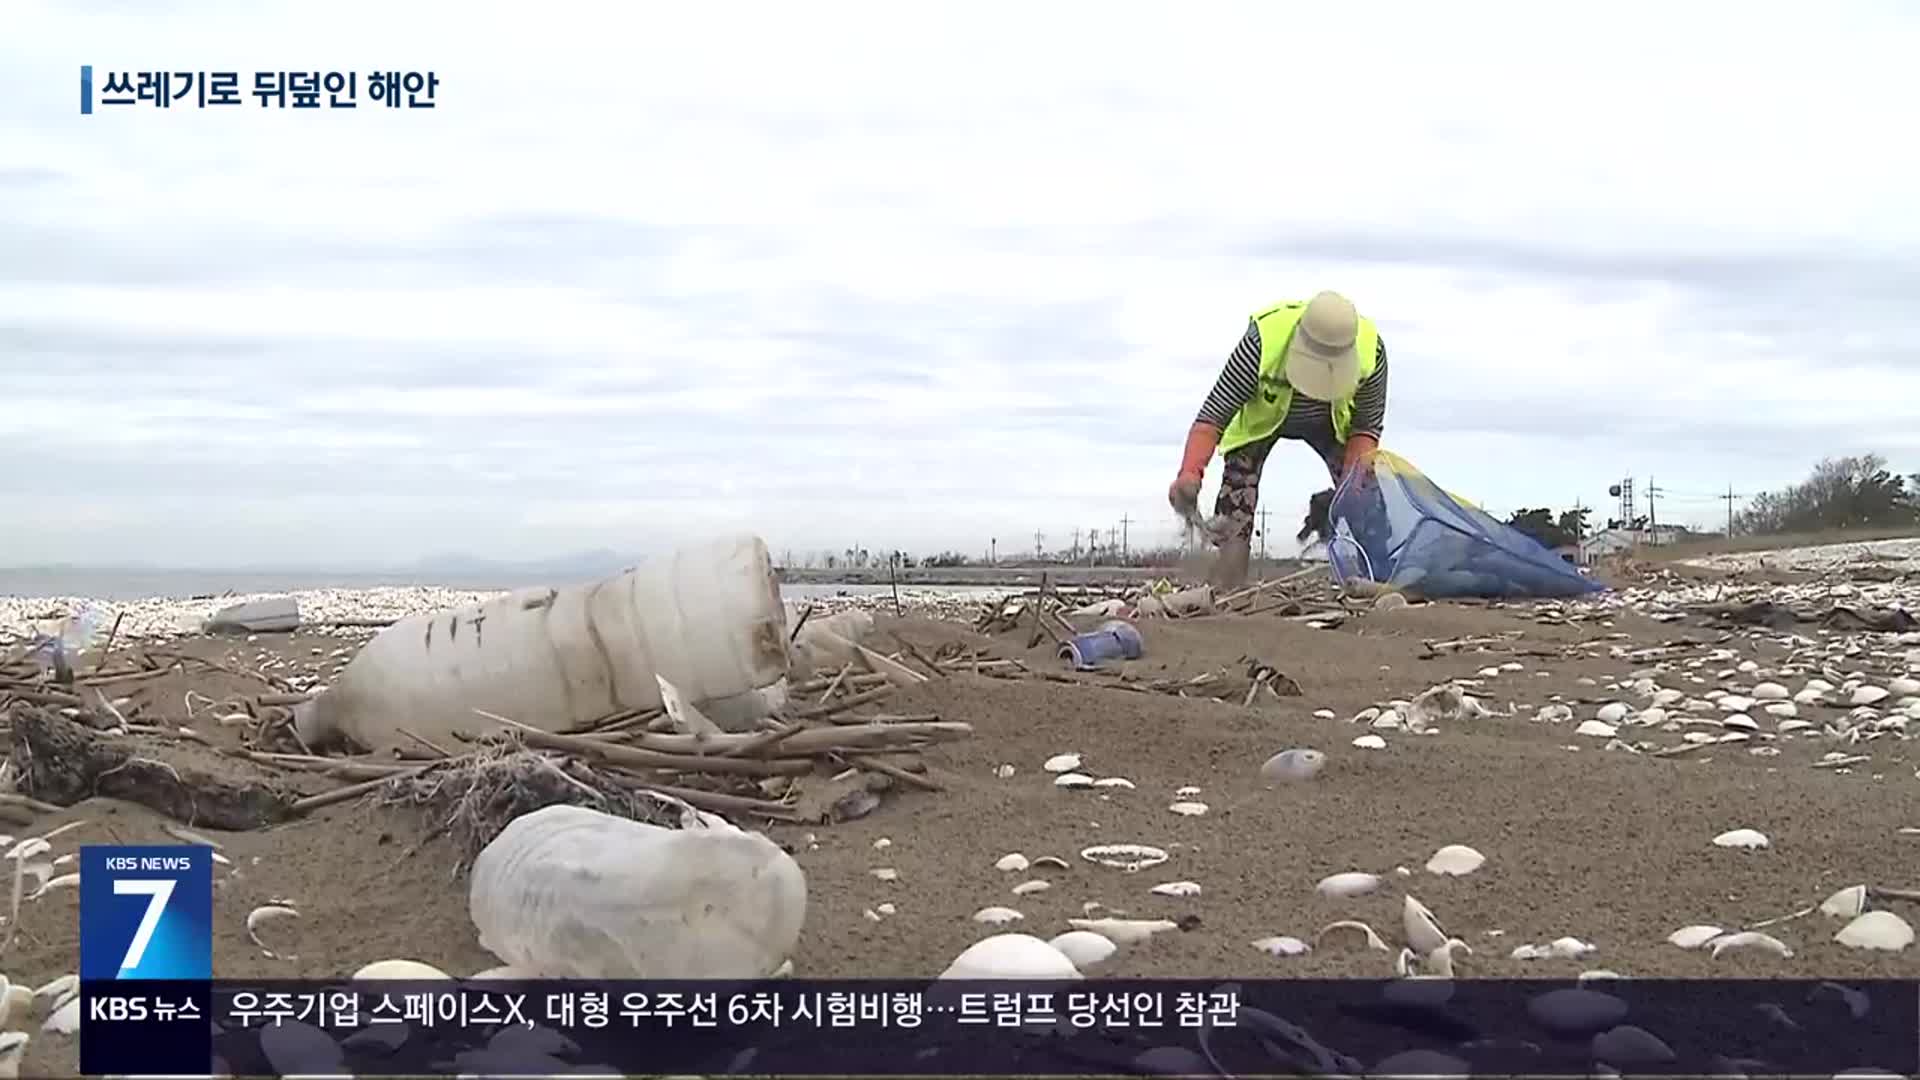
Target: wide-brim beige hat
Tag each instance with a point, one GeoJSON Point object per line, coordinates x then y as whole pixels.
{"type": "Point", "coordinates": [1322, 362]}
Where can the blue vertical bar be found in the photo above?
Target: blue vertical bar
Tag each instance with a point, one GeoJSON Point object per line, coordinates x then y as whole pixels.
{"type": "Point", "coordinates": [86, 89]}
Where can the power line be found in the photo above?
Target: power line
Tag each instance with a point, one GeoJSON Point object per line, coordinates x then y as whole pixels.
{"type": "Point", "coordinates": [1730, 496]}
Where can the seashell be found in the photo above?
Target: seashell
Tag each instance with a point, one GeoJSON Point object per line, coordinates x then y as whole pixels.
{"type": "Point", "coordinates": [1350, 884]}
{"type": "Point", "coordinates": [1060, 763]}
{"type": "Point", "coordinates": [1598, 729]}
{"type": "Point", "coordinates": [1553, 714]}
{"type": "Point", "coordinates": [1028, 888]}
{"type": "Point", "coordinates": [1596, 975]}
{"type": "Point", "coordinates": [1771, 691]}
{"type": "Point", "coordinates": [1073, 780]}
{"type": "Point", "coordinates": [1455, 860]}
{"type": "Point", "coordinates": [1569, 948]}
{"type": "Point", "coordinates": [1876, 930]}
{"type": "Point", "coordinates": [1734, 703]}
{"type": "Point", "coordinates": [264, 914]}
{"type": "Point", "coordinates": [1370, 742]}
{"type": "Point", "coordinates": [1846, 903]}
{"type": "Point", "coordinates": [400, 969]}
{"type": "Point", "coordinates": [64, 1020]}
{"type": "Point", "coordinates": [1128, 857]}
{"type": "Point", "coordinates": [1297, 764]}
{"type": "Point", "coordinates": [1612, 713]}
{"type": "Point", "coordinates": [1177, 888]}
{"type": "Point", "coordinates": [1740, 722]}
{"type": "Point", "coordinates": [1869, 695]}
{"type": "Point", "coordinates": [1741, 838]}
{"type": "Point", "coordinates": [1114, 782]}
{"type": "Point", "coordinates": [1694, 937]}
{"type": "Point", "coordinates": [1125, 931]}
{"type": "Point", "coordinates": [1904, 687]}
{"type": "Point", "coordinates": [885, 873]}
{"type": "Point", "coordinates": [1084, 947]}
{"type": "Point", "coordinates": [1011, 957]}
{"type": "Point", "coordinates": [997, 916]}
{"type": "Point", "coordinates": [1011, 863]}
{"type": "Point", "coordinates": [1388, 719]}
{"type": "Point", "coordinates": [1004, 772]}
{"type": "Point", "coordinates": [1780, 708]}
{"type": "Point", "coordinates": [1050, 862]}
{"type": "Point", "coordinates": [1788, 727]}
{"type": "Point", "coordinates": [1423, 931]}
{"type": "Point", "coordinates": [1188, 809]}
{"type": "Point", "coordinates": [1373, 940]}
{"type": "Point", "coordinates": [1751, 939]}
{"type": "Point", "coordinates": [1324, 714]}
{"type": "Point", "coordinates": [1283, 945]}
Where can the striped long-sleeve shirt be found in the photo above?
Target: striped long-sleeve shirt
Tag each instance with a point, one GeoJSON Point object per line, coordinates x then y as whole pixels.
{"type": "Point", "coordinates": [1308, 419]}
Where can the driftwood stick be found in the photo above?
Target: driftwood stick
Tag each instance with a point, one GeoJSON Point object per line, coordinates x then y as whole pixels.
{"type": "Point", "coordinates": [351, 791]}
{"type": "Point", "coordinates": [107, 649]}
{"type": "Point", "coordinates": [832, 708]}
{"type": "Point", "coordinates": [837, 680]}
{"type": "Point", "coordinates": [128, 676]}
{"type": "Point", "coordinates": [895, 771]}
{"type": "Point", "coordinates": [635, 757]}
{"type": "Point", "coordinates": [866, 735]}
{"type": "Point", "coordinates": [714, 801]}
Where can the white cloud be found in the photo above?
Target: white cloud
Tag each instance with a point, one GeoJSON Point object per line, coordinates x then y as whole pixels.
{"type": "Point", "coordinates": [923, 274]}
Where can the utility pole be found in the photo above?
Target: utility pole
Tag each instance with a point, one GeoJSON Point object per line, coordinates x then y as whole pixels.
{"type": "Point", "coordinates": [1263, 533]}
{"type": "Point", "coordinates": [1124, 522]}
{"type": "Point", "coordinates": [1093, 544]}
{"type": "Point", "coordinates": [993, 551]}
{"type": "Point", "coordinates": [1076, 543]}
{"type": "Point", "coordinates": [1039, 538]}
{"type": "Point", "coordinates": [1579, 521]}
{"type": "Point", "coordinates": [1653, 512]}
{"type": "Point", "coordinates": [1730, 496]}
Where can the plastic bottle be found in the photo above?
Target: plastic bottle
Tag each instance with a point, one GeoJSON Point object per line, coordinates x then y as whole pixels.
{"type": "Point", "coordinates": [707, 618]}
{"type": "Point", "coordinates": [571, 893]}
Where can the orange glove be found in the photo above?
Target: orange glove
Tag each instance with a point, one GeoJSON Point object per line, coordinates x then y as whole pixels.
{"type": "Point", "coordinates": [1359, 453]}
{"type": "Point", "coordinates": [1184, 493]}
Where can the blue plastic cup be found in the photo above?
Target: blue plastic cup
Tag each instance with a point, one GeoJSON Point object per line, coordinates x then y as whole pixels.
{"type": "Point", "coordinates": [1115, 640]}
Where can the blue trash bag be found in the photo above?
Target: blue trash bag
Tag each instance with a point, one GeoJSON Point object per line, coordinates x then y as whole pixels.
{"type": "Point", "coordinates": [1392, 525]}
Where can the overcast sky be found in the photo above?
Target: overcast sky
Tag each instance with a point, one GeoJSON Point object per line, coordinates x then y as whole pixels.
{"type": "Point", "coordinates": [923, 274]}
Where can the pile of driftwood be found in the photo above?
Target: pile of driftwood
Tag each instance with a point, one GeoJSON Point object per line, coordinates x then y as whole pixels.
{"type": "Point", "coordinates": [819, 760]}
{"type": "Point", "coordinates": [1048, 615]}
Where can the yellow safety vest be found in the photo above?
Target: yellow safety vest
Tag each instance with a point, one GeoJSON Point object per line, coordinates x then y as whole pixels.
{"type": "Point", "coordinates": [1263, 413]}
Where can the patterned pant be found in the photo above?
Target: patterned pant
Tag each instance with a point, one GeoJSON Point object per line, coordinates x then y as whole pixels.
{"type": "Point", "coordinates": [1239, 498]}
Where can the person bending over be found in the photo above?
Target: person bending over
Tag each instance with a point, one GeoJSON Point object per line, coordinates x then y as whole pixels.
{"type": "Point", "coordinates": [1311, 371]}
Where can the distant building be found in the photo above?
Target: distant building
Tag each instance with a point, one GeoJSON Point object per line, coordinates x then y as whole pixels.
{"type": "Point", "coordinates": [1607, 542]}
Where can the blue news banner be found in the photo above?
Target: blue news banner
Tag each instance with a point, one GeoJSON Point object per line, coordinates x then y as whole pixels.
{"type": "Point", "coordinates": [150, 1006]}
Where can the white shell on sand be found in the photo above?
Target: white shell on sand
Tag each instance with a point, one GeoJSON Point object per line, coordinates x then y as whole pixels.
{"type": "Point", "coordinates": [1011, 956]}
{"type": "Point", "coordinates": [1845, 903]}
{"type": "Point", "coordinates": [997, 916]}
{"type": "Point", "coordinates": [1870, 695]}
{"type": "Point", "coordinates": [1060, 763]}
{"type": "Point", "coordinates": [1012, 863]}
{"type": "Point", "coordinates": [1771, 691]}
{"type": "Point", "coordinates": [1693, 937]}
{"type": "Point", "coordinates": [401, 969]}
{"type": "Point", "coordinates": [1351, 883]}
{"type": "Point", "coordinates": [1876, 930]}
{"type": "Point", "coordinates": [1084, 947]}
{"type": "Point", "coordinates": [1751, 939]}
{"type": "Point", "coordinates": [1073, 780]}
{"type": "Point", "coordinates": [1372, 939]}
{"type": "Point", "coordinates": [1612, 713]}
{"type": "Point", "coordinates": [1370, 742]}
{"type": "Point", "coordinates": [1128, 857]}
{"type": "Point", "coordinates": [1423, 931]}
{"type": "Point", "coordinates": [1177, 888]}
{"type": "Point", "coordinates": [1028, 888]}
{"type": "Point", "coordinates": [1283, 945]}
{"type": "Point", "coordinates": [1741, 838]}
{"type": "Point", "coordinates": [1455, 860]}
{"type": "Point", "coordinates": [1295, 764]}
{"type": "Point", "coordinates": [1189, 809]}
{"type": "Point", "coordinates": [1114, 782]}
{"type": "Point", "coordinates": [1598, 729]}
{"type": "Point", "coordinates": [1124, 931]}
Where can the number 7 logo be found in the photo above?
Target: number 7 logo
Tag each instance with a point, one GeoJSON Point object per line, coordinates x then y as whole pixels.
{"type": "Point", "coordinates": [158, 891]}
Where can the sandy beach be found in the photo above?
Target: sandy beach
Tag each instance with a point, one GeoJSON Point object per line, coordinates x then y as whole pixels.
{"type": "Point", "coordinates": [1607, 838]}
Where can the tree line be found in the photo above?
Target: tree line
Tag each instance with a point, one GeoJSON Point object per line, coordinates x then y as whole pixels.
{"type": "Point", "coordinates": [1859, 492]}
